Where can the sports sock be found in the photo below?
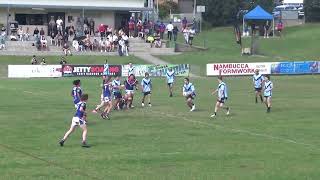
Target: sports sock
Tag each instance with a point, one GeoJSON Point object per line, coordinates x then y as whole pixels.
{"type": "Point", "coordinates": [256, 100]}
{"type": "Point", "coordinates": [261, 98]}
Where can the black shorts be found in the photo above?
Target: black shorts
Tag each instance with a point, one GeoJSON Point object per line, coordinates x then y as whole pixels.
{"type": "Point", "coordinates": [146, 93]}
{"type": "Point", "coordinates": [117, 95]}
{"type": "Point", "coordinates": [257, 89]}
{"type": "Point", "coordinates": [190, 97]}
{"type": "Point", "coordinates": [170, 84]}
{"type": "Point", "coordinates": [222, 100]}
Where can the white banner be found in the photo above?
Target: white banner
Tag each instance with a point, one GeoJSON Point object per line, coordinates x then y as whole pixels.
{"type": "Point", "coordinates": [232, 69]}
{"type": "Point", "coordinates": [28, 71]}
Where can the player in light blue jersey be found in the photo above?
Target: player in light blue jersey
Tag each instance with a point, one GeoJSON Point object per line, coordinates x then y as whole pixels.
{"type": "Point", "coordinates": [76, 92]}
{"type": "Point", "coordinates": [170, 80]}
{"type": "Point", "coordinates": [267, 92]}
{"type": "Point", "coordinates": [222, 93]}
{"type": "Point", "coordinates": [116, 91]}
{"type": "Point", "coordinates": [146, 86]}
{"type": "Point", "coordinates": [131, 70]}
{"type": "Point", "coordinates": [79, 119]}
{"type": "Point", "coordinates": [189, 92]}
{"type": "Point", "coordinates": [258, 80]}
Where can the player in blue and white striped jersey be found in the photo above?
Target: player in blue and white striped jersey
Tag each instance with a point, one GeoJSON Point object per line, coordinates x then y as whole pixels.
{"type": "Point", "coordinates": [267, 92]}
{"type": "Point", "coordinates": [189, 92]}
{"type": "Point", "coordinates": [116, 91]}
{"type": "Point", "coordinates": [79, 119]}
{"type": "Point", "coordinates": [222, 91]}
{"type": "Point", "coordinates": [258, 80]}
{"type": "Point", "coordinates": [146, 86]}
{"type": "Point", "coordinates": [170, 75]}
{"type": "Point", "coordinates": [76, 92]}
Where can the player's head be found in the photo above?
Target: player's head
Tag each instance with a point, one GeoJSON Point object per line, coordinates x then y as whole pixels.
{"type": "Point", "coordinates": [186, 80]}
{"type": "Point", "coordinates": [76, 82]}
{"type": "Point", "coordinates": [130, 64]}
{"type": "Point", "coordinates": [84, 97]}
{"type": "Point", "coordinates": [106, 78]}
{"type": "Point", "coordinates": [267, 77]}
{"type": "Point", "coordinates": [170, 69]}
{"type": "Point", "coordinates": [117, 77]}
{"type": "Point", "coordinates": [256, 71]}
{"type": "Point", "coordinates": [146, 75]}
{"type": "Point", "coordinates": [131, 77]}
{"type": "Point", "coordinates": [220, 78]}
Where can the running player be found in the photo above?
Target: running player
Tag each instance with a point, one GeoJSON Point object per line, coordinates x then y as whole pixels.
{"type": "Point", "coordinates": [222, 97]}
{"type": "Point", "coordinates": [146, 86]}
{"type": "Point", "coordinates": [268, 86]}
{"type": "Point", "coordinates": [76, 92]}
{"type": "Point", "coordinates": [170, 80]}
{"type": "Point", "coordinates": [106, 89]}
{"type": "Point", "coordinates": [188, 91]}
{"type": "Point", "coordinates": [116, 90]}
{"type": "Point", "coordinates": [99, 106]}
{"type": "Point", "coordinates": [131, 69]}
{"type": "Point", "coordinates": [257, 82]}
{"type": "Point", "coordinates": [130, 86]}
{"type": "Point", "coordinates": [79, 119]}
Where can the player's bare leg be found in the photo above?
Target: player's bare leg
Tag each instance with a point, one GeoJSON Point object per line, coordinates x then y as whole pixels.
{"type": "Point", "coordinates": [67, 134]}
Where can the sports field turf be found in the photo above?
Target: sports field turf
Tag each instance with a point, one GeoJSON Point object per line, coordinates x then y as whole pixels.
{"type": "Point", "coordinates": [165, 141]}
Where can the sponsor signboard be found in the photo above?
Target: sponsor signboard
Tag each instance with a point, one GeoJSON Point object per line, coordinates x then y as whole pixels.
{"type": "Point", "coordinates": [231, 69]}
{"type": "Point", "coordinates": [298, 67]}
{"type": "Point", "coordinates": [29, 71]}
{"type": "Point", "coordinates": [91, 70]}
{"type": "Point", "coordinates": [157, 70]}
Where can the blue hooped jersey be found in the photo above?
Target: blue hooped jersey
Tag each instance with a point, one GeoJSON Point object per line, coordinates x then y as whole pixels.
{"type": "Point", "coordinates": [106, 90]}
{"type": "Point", "coordinates": [76, 94]}
{"type": "Point", "coordinates": [130, 85]}
{"type": "Point", "coordinates": [80, 113]}
{"type": "Point", "coordinates": [146, 84]}
{"type": "Point", "coordinates": [268, 86]}
{"type": "Point", "coordinates": [116, 85]}
{"type": "Point", "coordinates": [189, 89]}
{"type": "Point", "coordinates": [222, 90]}
{"type": "Point", "coordinates": [170, 76]}
{"type": "Point", "coordinates": [258, 80]}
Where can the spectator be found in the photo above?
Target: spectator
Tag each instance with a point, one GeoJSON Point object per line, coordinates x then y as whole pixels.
{"type": "Point", "coordinates": [95, 45]}
{"type": "Point", "coordinates": [169, 29]}
{"type": "Point", "coordinates": [59, 23]}
{"type": "Point", "coordinates": [157, 42]}
{"type": "Point", "coordinates": [59, 39]}
{"type": "Point", "coordinates": [66, 49]}
{"type": "Point", "coordinates": [175, 33]}
{"type": "Point", "coordinates": [280, 28]}
{"type": "Point", "coordinates": [27, 34]}
{"type": "Point", "coordinates": [91, 25]}
{"type": "Point", "coordinates": [121, 47]}
{"type": "Point", "coordinates": [162, 28]}
{"type": "Point", "coordinates": [3, 38]}
{"type": "Point", "coordinates": [20, 33]}
{"type": "Point", "coordinates": [102, 44]}
{"type": "Point", "coordinates": [192, 33]}
{"type": "Point", "coordinates": [146, 27]}
{"type": "Point", "coordinates": [34, 60]}
{"type": "Point", "coordinates": [75, 44]}
{"type": "Point", "coordinates": [42, 32]}
{"type": "Point", "coordinates": [140, 28]}
{"type": "Point", "coordinates": [186, 35]}
{"type": "Point", "coordinates": [108, 31]}
{"type": "Point", "coordinates": [184, 23]}
{"type": "Point", "coordinates": [63, 61]}
{"type": "Point", "coordinates": [44, 42]}
{"type": "Point", "coordinates": [102, 30]}
{"type": "Point", "coordinates": [43, 62]}
{"type": "Point", "coordinates": [150, 39]}
{"type": "Point", "coordinates": [86, 22]}
{"type": "Point", "coordinates": [38, 43]}
{"type": "Point", "coordinates": [86, 31]}
{"type": "Point", "coordinates": [131, 27]}
{"type": "Point", "coordinates": [157, 27]}
{"type": "Point", "coordinates": [36, 32]}
{"type": "Point", "coordinates": [266, 30]}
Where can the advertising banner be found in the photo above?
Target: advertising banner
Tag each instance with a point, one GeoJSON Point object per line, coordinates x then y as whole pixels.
{"type": "Point", "coordinates": [157, 70]}
{"type": "Point", "coordinates": [29, 71]}
{"type": "Point", "coordinates": [298, 67]}
{"type": "Point", "coordinates": [91, 70]}
{"type": "Point", "coordinates": [232, 69]}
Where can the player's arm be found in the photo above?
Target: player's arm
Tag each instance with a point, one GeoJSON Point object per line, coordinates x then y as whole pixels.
{"type": "Point", "coordinates": [214, 92]}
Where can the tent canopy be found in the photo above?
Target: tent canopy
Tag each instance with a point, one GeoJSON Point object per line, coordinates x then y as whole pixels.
{"type": "Point", "coordinates": [258, 13]}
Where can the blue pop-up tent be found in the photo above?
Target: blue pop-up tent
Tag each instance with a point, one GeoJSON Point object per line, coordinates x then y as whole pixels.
{"type": "Point", "coordinates": [258, 13]}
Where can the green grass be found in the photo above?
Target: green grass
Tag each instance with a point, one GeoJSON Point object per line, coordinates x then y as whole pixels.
{"type": "Point", "coordinates": [298, 43]}
{"type": "Point", "coordinates": [165, 141]}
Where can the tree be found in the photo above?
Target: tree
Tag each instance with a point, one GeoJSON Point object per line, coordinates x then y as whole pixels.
{"type": "Point", "coordinates": [312, 10]}
{"type": "Point", "coordinates": [165, 7]}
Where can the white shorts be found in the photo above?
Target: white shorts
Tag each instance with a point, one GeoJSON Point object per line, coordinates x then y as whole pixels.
{"type": "Point", "coordinates": [129, 91]}
{"type": "Point", "coordinates": [76, 121]}
{"type": "Point", "coordinates": [76, 106]}
{"type": "Point", "coordinates": [107, 99]}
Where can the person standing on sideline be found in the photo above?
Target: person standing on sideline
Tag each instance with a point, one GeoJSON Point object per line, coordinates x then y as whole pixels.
{"type": "Point", "coordinates": [170, 80]}
{"type": "Point", "coordinates": [175, 33]}
{"type": "Point", "coordinates": [192, 33]}
{"type": "Point", "coordinates": [170, 30]}
{"type": "Point", "coordinates": [162, 28]}
{"type": "Point", "coordinates": [184, 23]}
{"type": "Point", "coordinates": [257, 82]}
{"type": "Point", "coordinates": [146, 86]}
{"type": "Point", "coordinates": [188, 91]}
{"type": "Point", "coordinates": [222, 97]}
{"type": "Point", "coordinates": [268, 86]}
